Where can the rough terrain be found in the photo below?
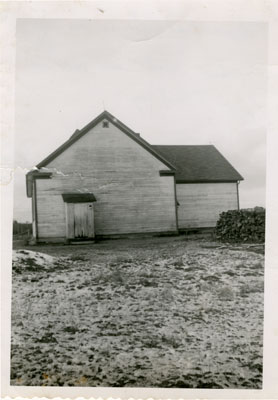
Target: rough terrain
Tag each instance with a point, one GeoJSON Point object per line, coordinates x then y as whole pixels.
{"type": "Point", "coordinates": [160, 312]}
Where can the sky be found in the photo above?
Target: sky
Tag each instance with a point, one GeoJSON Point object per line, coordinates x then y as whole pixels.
{"type": "Point", "coordinates": [174, 82]}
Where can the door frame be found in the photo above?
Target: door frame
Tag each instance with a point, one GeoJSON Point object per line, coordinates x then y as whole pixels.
{"type": "Point", "coordinates": [70, 199]}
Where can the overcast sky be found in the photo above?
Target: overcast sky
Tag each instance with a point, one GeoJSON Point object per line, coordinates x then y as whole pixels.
{"type": "Point", "coordinates": [174, 82]}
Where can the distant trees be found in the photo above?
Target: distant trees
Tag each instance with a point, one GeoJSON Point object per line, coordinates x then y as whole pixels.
{"type": "Point", "coordinates": [20, 228]}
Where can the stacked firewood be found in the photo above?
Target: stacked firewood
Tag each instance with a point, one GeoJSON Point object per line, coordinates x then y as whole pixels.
{"type": "Point", "coordinates": [247, 225]}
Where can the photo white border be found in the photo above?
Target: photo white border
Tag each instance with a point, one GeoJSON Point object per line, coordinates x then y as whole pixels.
{"type": "Point", "coordinates": [187, 10]}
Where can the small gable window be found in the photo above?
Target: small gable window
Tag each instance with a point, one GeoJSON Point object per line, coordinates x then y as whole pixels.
{"type": "Point", "coordinates": [105, 124]}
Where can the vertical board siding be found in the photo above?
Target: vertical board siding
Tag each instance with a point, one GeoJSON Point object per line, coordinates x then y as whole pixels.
{"type": "Point", "coordinates": [201, 203]}
{"type": "Point", "coordinates": [131, 195]}
{"type": "Point", "coordinates": [90, 220]}
{"type": "Point", "coordinates": [69, 220]}
{"type": "Point", "coordinates": [83, 220]}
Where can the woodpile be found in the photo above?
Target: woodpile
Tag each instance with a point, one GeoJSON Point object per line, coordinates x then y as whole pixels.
{"type": "Point", "coordinates": [247, 225]}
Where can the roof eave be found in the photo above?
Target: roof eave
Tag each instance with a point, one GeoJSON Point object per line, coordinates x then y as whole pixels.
{"type": "Point", "coordinates": [208, 180]}
{"type": "Point", "coordinates": [34, 174]}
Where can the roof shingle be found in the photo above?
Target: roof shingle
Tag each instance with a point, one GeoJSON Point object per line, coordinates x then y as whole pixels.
{"type": "Point", "coordinates": [198, 163]}
{"type": "Point", "coordinates": [192, 163]}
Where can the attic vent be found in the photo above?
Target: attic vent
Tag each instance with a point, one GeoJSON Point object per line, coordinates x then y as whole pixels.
{"type": "Point", "coordinates": [105, 124]}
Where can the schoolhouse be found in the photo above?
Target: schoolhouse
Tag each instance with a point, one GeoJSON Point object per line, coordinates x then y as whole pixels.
{"type": "Point", "coordinates": [107, 181]}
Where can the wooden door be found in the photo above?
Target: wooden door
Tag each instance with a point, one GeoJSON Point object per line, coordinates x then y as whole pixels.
{"type": "Point", "coordinates": [80, 221]}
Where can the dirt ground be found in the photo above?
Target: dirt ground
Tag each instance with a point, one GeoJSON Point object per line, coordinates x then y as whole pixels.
{"type": "Point", "coordinates": [156, 312]}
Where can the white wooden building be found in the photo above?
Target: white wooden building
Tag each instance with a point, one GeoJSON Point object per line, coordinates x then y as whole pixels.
{"type": "Point", "coordinates": [107, 181]}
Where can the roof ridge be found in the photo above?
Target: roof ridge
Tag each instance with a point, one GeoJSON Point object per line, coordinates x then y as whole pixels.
{"type": "Point", "coordinates": [124, 128]}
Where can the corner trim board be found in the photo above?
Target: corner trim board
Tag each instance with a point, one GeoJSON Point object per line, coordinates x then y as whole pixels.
{"type": "Point", "coordinates": [176, 203]}
{"type": "Point", "coordinates": [36, 209]}
{"type": "Point", "coordinates": [237, 193]}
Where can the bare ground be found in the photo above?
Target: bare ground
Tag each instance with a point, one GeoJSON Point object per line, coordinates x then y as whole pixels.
{"type": "Point", "coordinates": [160, 312]}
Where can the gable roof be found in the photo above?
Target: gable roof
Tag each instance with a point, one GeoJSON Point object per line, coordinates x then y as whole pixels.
{"type": "Point", "coordinates": [199, 164]}
{"type": "Point", "coordinates": [107, 116]}
{"type": "Point", "coordinates": [188, 163]}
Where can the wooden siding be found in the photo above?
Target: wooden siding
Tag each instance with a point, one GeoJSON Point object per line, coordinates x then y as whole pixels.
{"type": "Point", "coordinates": [201, 203]}
{"type": "Point", "coordinates": [131, 196]}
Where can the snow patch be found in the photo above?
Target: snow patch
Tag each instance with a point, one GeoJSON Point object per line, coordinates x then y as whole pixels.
{"type": "Point", "coordinates": [21, 257]}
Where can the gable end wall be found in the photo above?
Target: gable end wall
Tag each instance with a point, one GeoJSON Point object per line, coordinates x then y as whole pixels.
{"type": "Point", "coordinates": [131, 196]}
